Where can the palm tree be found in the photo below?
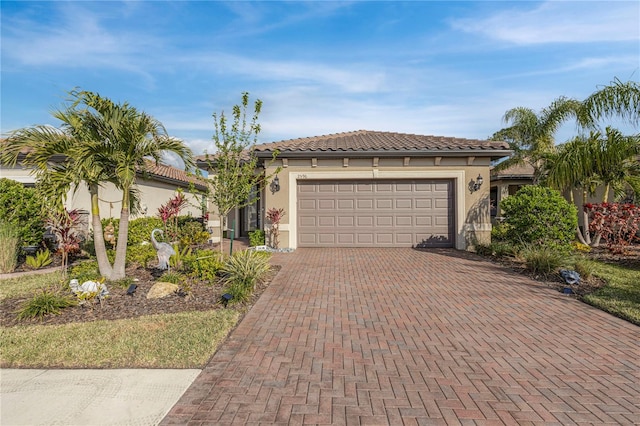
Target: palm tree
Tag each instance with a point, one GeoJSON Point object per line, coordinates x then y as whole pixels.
{"type": "Point", "coordinates": [127, 139]}
{"type": "Point", "coordinates": [584, 163]}
{"type": "Point", "coordinates": [531, 135]}
{"type": "Point", "coordinates": [618, 99]}
{"type": "Point", "coordinates": [99, 141]}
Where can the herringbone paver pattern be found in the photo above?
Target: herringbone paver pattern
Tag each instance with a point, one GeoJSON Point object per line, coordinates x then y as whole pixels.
{"type": "Point", "coordinates": [404, 337]}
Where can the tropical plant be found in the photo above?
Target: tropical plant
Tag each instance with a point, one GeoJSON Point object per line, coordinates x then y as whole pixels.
{"type": "Point", "coordinates": [192, 232]}
{"type": "Point", "coordinates": [176, 261]}
{"type": "Point", "coordinates": [256, 238]}
{"type": "Point", "coordinates": [9, 246]}
{"type": "Point", "coordinates": [585, 267]}
{"type": "Point", "coordinates": [204, 264]}
{"type": "Point", "coordinates": [584, 163]}
{"type": "Point", "coordinates": [40, 260]}
{"type": "Point", "coordinates": [234, 180]}
{"type": "Point", "coordinates": [531, 135]}
{"type": "Point", "coordinates": [541, 259]}
{"type": "Point", "coordinates": [45, 302]}
{"type": "Point", "coordinates": [540, 216]}
{"type": "Point", "coordinates": [169, 213]}
{"type": "Point", "coordinates": [243, 270]}
{"type": "Point", "coordinates": [617, 223]}
{"type": "Point", "coordinates": [99, 142]}
{"type": "Point", "coordinates": [618, 99]}
{"type": "Point", "coordinates": [274, 216]}
{"type": "Point", "coordinates": [63, 224]}
{"type": "Point", "coordinates": [85, 271]}
{"type": "Point", "coordinates": [24, 208]}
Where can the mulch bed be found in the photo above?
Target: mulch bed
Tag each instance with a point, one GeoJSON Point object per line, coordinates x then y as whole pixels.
{"type": "Point", "coordinates": [202, 297]}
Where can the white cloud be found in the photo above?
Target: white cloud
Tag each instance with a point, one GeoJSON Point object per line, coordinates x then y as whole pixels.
{"type": "Point", "coordinates": [559, 22]}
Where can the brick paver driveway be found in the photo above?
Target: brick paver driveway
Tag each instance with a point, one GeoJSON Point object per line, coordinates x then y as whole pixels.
{"type": "Point", "coordinates": [399, 336]}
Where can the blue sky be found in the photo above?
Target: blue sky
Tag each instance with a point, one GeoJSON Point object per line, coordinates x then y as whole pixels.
{"type": "Point", "coordinates": [442, 68]}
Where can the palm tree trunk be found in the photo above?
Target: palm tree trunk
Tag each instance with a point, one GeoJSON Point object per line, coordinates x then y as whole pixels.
{"type": "Point", "coordinates": [585, 219]}
{"type": "Point", "coordinates": [98, 237]}
{"type": "Point", "coordinates": [123, 233]}
{"type": "Point", "coordinates": [578, 233]}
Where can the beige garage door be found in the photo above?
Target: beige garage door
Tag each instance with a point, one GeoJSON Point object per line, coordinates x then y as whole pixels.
{"type": "Point", "coordinates": [375, 213]}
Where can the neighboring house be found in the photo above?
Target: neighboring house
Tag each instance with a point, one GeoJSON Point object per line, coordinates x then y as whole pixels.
{"type": "Point", "coordinates": [155, 188]}
{"type": "Point", "coordinates": [508, 182]}
{"type": "Point", "coordinates": [378, 189]}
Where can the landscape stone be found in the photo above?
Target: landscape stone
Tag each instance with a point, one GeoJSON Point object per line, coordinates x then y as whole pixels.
{"type": "Point", "coordinates": [162, 289]}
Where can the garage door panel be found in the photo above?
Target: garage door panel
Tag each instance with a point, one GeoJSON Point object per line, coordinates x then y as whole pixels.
{"type": "Point", "coordinates": [308, 221]}
{"type": "Point", "coordinates": [326, 221]}
{"type": "Point", "coordinates": [365, 238]}
{"type": "Point", "coordinates": [384, 238]}
{"type": "Point", "coordinates": [346, 204]}
{"type": "Point", "coordinates": [326, 204]}
{"type": "Point", "coordinates": [326, 239]}
{"type": "Point", "coordinates": [346, 239]}
{"type": "Point", "coordinates": [404, 221]}
{"type": "Point", "coordinates": [364, 204]}
{"type": "Point", "coordinates": [382, 213]}
{"type": "Point", "coordinates": [346, 221]}
{"type": "Point", "coordinates": [385, 203]}
{"type": "Point", "coordinates": [384, 220]}
{"type": "Point", "coordinates": [365, 221]}
{"type": "Point", "coordinates": [404, 203]}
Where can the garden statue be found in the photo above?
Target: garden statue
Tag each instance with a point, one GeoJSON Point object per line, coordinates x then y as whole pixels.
{"type": "Point", "coordinates": [165, 251]}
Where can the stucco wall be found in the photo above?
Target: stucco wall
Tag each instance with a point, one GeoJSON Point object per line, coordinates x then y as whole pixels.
{"type": "Point", "coordinates": [472, 215]}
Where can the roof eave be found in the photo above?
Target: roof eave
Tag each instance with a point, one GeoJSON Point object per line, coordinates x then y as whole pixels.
{"type": "Point", "coordinates": [494, 153]}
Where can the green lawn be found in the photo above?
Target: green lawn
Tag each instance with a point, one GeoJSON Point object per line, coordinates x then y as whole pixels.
{"type": "Point", "coordinates": [183, 340]}
{"type": "Point", "coordinates": [621, 296]}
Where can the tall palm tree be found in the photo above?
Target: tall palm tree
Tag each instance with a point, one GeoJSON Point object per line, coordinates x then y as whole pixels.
{"type": "Point", "coordinates": [98, 142]}
{"type": "Point", "coordinates": [531, 135]}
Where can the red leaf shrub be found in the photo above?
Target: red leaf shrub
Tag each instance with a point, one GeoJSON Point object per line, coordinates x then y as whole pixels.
{"type": "Point", "coordinates": [617, 223]}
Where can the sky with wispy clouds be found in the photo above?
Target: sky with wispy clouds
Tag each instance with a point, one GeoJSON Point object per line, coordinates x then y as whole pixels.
{"type": "Point", "coordinates": [434, 68]}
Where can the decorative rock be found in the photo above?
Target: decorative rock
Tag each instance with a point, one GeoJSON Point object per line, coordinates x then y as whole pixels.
{"type": "Point", "coordinates": [162, 289]}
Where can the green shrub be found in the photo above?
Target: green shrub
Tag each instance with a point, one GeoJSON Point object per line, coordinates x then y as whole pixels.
{"type": "Point", "coordinates": [540, 216]}
{"type": "Point", "coordinates": [85, 271]}
{"type": "Point", "coordinates": [40, 260]}
{"type": "Point", "coordinates": [192, 232]}
{"type": "Point", "coordinates": [46, 302]}
{"type": "Point", "coordinates": [24, 208]}
{"type": "Point", "coordinates": [585, 267]}
{"type": "Point", "coordinates": [499, 232]}
{"type": "Point", "coordinates": [204, 264]}
{"type": "Point", "coordinates": [177, 260]}
{"type": "Point", "coordinates": [497, 249]}
{"type": "Point", "coordinates": [243, 270]}
{"type": "Point", "coordinates": [172, 277]}
{"type": "Point", "coordinates": [141, 254]}
{"type": "Point", "coordinates": [9, 247]}
{"type": "Point", "coordinates": [542, 259]}
{"type": "Point", "coordinates": [139, 229]}
{"type": "Point", "coordinates": [257, 238]}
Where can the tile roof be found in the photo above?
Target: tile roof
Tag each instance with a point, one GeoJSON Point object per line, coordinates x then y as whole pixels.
{"type": "Point", "coordinates": [173, 173]}
{"type": "Point", "coordinates": [373, 141]}
{"type": "Point", "coordinates": [519, 170]}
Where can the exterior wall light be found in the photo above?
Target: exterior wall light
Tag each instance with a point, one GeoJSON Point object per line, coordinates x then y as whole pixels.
{"type": "Point", "coordinates": [275, 185]}
{"type": "Point", "coordinates": [474, 186]}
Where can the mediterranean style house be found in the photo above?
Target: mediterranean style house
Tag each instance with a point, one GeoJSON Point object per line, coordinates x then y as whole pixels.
{"type": "Point", "coordinates": [375, 189]}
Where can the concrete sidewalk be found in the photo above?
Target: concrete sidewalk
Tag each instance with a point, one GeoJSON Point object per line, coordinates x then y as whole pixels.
{"type": "Point", "coordinates": [90, 397]}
